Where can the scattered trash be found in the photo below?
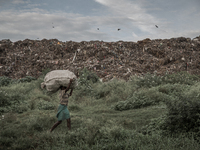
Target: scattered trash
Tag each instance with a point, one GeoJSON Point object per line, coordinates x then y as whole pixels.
{"type": "Point", "coordinates": [107, 59]}
{"type": "Point", "coordinates": [74, 57]}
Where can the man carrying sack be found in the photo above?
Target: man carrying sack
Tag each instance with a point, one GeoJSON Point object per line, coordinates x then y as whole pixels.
{"type": "Point", "coordinates": [63, 112]}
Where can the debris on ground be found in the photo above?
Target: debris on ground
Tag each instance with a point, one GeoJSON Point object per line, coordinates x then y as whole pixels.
{"type": "Point", "coordinates": [107, 59]}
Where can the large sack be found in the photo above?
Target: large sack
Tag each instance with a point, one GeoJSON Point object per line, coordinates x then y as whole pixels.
{"type": "Point", "coordinates": [54, 79]}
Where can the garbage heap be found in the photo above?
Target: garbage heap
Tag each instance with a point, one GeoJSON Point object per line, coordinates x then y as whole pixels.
{"type": "Point", "coordinates": [107, 59]}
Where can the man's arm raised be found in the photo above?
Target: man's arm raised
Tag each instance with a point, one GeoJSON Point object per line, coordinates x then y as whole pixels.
{"type": "Point", "coordinates": [70, 82]}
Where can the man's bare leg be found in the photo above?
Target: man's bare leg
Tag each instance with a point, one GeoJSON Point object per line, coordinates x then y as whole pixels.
{"type": "Point", "coordinates": [69, 123]}
{"type": "Point", "coordinates": [55, 125]}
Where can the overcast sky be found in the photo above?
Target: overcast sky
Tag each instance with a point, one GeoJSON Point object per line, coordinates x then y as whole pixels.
{"type": "Point", "coordinates": [78, 20]}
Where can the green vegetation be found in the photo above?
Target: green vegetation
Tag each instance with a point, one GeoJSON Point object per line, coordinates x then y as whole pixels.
{"type": "Point", "coordinates": [4, 81]}
{"type": "Point", "coordinates": [150, 112]}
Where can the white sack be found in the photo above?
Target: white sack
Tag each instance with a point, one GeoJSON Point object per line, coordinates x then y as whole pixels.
{"type": "Point", "coordinates": [54, 79]}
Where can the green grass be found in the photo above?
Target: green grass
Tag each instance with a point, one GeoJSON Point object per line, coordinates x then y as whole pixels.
{"type": "Point", "coordinates": [96, 124]}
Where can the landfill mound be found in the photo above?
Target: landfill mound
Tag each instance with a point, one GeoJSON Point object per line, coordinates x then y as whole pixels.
{"type": "Point", "coordinates": [107, 59]}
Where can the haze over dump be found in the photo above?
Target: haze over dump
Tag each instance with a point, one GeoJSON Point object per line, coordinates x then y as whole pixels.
{"type": "Point", "coordinates": [87, 20]}
{"type": "Point", "coordinates": [107, 59]}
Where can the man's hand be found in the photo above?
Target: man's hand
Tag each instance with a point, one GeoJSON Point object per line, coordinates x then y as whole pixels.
{"type": "Point", "coordinates": [70, 94]}
{"type": "Point", "coordinates": [71, 80]}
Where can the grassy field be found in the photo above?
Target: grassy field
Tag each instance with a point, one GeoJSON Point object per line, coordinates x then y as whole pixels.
{"type": "Point", "coordinates": [149, 112]}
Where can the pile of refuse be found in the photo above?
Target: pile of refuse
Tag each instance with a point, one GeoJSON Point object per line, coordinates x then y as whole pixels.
{"type": "Point", "coordinates": [107, 59]}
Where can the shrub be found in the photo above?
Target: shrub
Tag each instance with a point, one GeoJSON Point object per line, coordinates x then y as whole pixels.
{"type": "Point", "coordinates": [193, 91]}
{"type": "Point", "coordinates": [32, 104]}
{"type": "Point", "coordinates": [157, 125]}
{"type": "Point", "coordinates": [44, 105]}
{"type": "Point", "coordinates": [45, 71]}
{"type": "Point", "coordinates": [81, 91]}
{"type": "Point", "coordinates": [183, 115]}
{"type": "Point", "coordinates": [25, 143]}
{"type": "Point", "coordinates": [184, 112]}
{"type": "Point", "coordinates": [86, 82]}
{"type": "Point", "coordinates": [74, 108]}
{"type": "Point", "coordinates": [5, 142]}
{"type": "Point", "coordinates": [11, 102]}
{"type": "Point", "coordinates": [4, 99]}
{"type": "Point", "coordinates": [26, 79]}
{"type": "Point", "coordinates": [4, 81]}
{"type": "Point", "coordinates": [101, 90]}
{"type": "Point", "coordinates": [175, 90]}
{"type": "Point", "coordinates": [40, 123]}
{"type": "Point", "coordinates": [114, 90]}
{"type": "Point", "coordinates": [152, 80]}
{"type": "Point", "coordinates": [181, 78]}
{"type": "Point", "coordinates": [44, 97]}
{"type": "Point", "coordinates": [86, 75]}
{"type": "Point", "coordinates": [142, 98]}
{"type": "Point", "coordinates": [120, 89]}
{"type": "Point", "coordinates": [14, 96]}
{"type": "Point", "coordinates": [148, 80]}
{"type": "Point", "coordinates": [20, 108]}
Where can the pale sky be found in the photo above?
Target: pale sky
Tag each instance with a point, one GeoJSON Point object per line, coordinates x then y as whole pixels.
{"type": "Point", "coordinates": [79, 20]}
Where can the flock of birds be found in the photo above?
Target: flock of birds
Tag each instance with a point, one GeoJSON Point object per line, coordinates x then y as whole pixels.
{"type": "Point", "coordinates": [98, 28]}
{"type": "Point", "coordinates": [117, 29]}
{"type": "Point", "coordinates": [120, 29]}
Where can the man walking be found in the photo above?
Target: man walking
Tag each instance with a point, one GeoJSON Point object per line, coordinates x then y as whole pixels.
{"type": "Point", "coordinates": [63, 112]}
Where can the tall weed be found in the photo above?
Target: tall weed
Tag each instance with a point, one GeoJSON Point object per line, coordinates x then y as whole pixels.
{"type": "Point", "coordinates": [183, 114]}
{"type": "Point", "coordinates": [86, 82]}
{"type": "Point", "coordinates": [4, 81]}
{"type": "Point", "coordinates": [113, 91]}
{"type": "Point", "coordinates": [152, 80]}
{"type": "Point", "coordinates": [143, 98]}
